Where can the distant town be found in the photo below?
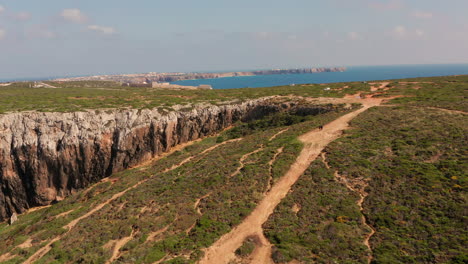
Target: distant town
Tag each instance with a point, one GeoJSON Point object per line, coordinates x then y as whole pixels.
{"type": "Point", "coordinates": [161, 79]}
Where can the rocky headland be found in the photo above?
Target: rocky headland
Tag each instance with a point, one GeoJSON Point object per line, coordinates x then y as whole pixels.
{"type": "Point", "coordinates": [172, 77]}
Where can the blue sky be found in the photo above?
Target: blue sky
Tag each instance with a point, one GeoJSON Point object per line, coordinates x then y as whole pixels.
{"type": "Point", "coordinates": [80, 37]}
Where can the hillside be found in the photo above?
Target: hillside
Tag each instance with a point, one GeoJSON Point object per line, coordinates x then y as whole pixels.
{"type": "Point", "coordinates": [384, 180]}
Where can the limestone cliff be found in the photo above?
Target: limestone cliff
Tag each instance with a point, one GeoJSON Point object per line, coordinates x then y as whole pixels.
{"type": "Point", "coordinates": [179, 76]}
{"type": "Point", "coordinates": [46, 156]}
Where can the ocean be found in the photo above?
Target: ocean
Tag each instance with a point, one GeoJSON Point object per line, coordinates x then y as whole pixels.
{"type": "Point", "coordinates": [356, 73]}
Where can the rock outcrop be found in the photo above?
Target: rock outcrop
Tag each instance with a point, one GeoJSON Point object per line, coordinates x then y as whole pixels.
{"type": "Point", "coordinates": [44, 157]}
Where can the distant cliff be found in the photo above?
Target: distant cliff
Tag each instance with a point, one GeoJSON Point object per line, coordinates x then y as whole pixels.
{"type": "Point", "coordinates": [45, 157]}
{"type": "Point", "coordinates": [172, 77]}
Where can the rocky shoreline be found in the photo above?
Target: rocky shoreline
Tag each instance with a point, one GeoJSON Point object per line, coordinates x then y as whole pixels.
{"type": "Point", "coordinates": [172, 77]}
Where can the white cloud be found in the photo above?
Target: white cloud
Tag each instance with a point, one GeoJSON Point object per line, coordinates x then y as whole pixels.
{"type": "Point", "coordinates": [389, 5]}
{"type": "Point", "coordinates": [39, 32]}
{"type": "Point", "coordinates": [422, 14]}
{"type": "Point", "coordinates": [2, 9]}
{"type": "Point", "coordinates": [102, 29]}
{"type": "Point", "coordinates": [353, 35]}
{"type": "Point", "coordinates": [48, 34]}
{"type": "Point", "coordinates": [419, 33]}
{"type": "Point", "coordinates": [263, 35]}
{"type": "Point", "coordinates": [74, 15]}
{"type": "Point", "coordinates": [399, 31]}
{"type": "Point", "coordinates": [2, 33]}
{"type": "Point", "coordinates": [22, 16]}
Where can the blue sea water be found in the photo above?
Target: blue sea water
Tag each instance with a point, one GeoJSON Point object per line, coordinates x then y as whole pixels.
{"type": "Point", "coordinates": [356, 73]}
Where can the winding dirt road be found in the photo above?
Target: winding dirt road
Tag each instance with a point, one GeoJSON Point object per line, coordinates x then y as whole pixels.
{"type": "Point", "coordinates": [222, 251]}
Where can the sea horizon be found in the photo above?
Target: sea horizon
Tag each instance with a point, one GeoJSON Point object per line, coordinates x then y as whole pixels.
{"type": "Point", "coordinates": [352, 74]}
{"type": "Point", "coordinates": [453, 71]}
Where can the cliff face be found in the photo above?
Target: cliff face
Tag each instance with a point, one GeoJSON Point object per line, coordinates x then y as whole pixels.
{"type": "Point", "coordinates": [46, 156]}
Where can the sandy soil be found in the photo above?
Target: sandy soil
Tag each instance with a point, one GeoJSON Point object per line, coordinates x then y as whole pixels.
{"type": "Point", "coordinates": [152, 236]}
{"type": "Point", "coordinates": [118, 245]}
{"type": "Point", "coordinates": [382, 86]}
{"type": "Point", "coordinates": [197, 202]}
{"type": "Point", "coordinates": [243, 158]}
{"type": "Point", "coordinates": [26, 244]}
{"type": "Point", "coordinates": [222, 251]}
{"type": "Point", "coordinates": [6, 257]}
{"type": "Point", "coordinates": [65, 213]}
{"type": "Point", "coordinates": [449, 111]}
{"type": "Point", "coordinates": [279, 133]}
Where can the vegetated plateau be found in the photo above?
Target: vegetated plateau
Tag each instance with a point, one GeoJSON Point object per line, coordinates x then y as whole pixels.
{"type": "Point", "coordinates": [388, 188]}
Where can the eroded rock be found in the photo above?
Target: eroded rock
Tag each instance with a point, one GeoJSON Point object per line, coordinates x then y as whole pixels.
{"type": "Point", "coordinates": [46, 156]}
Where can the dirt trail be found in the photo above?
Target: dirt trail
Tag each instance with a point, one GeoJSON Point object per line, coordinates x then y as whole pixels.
{"type": "Point", "coordinates": [277, 134]}
{"type": "Point", "coordinates": [270, 170]}
{"type": "Point", "coordinates": [222, 251]}
{"type": "Point", "coordinates": [66, 213]}
{"type": "Point", "coordinates": [7, 256]}
{"type": "Point", "coordinates": [262, 253]}
{"type": "Point", "coordinates": [152, 236]}
{"type": "Point", "coordinates": [358, 186]}
{"type": "Point", "coordinates": [45, 249]}
{"type": "Point", "coordinates": [118, 245]}
{"type": "Point", "coordinates": [197, 203]}
{"type": "Point", "coordinates": [449, 110]}
{"type": "Point", "coordinates": [382, 86]}
{"type": "Point", "coordinates": [243, 158]}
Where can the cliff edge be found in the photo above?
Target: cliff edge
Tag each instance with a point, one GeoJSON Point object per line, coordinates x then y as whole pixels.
{"type": "Point", "coordinates": [44, 157]}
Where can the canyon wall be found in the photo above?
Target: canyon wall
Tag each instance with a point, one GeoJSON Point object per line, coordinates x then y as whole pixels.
{"type": "Point", "coordinates": [44, 157]}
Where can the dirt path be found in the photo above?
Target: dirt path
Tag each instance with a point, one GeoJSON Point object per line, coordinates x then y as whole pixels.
{"type": "Point", "coordinates": [45, 249]}
{"type": "Point", "coordinates": [7, 256]}
{"type": "Point", "coordinates": [449, 110]}
{"type": "Point", "coordinates": [118, 245]}
{"type": "Point", "coordinates": [262, 253]}
{"type": "Point", "coordinates": [270, 170]}
{"type": "Point", "coordinates": [153, 235]}
{"type": "Point", "coordinates": [222, 251]}
{"type": "Point", "coordinates": [48, 85]}
{"type": "Point", "coordinates": [197, 203]}
{"type": "Point", "coordinates": [358, 186]}
{"type": "Point", "coordinates": [243, 158]}
{"type": "Point", "coordinates": [277, 134]}
{"type": "Point", "coordinates": [382, 86]}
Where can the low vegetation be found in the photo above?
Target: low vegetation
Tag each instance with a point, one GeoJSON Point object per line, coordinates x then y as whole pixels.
{"type": "Point", "coordinates": [409, 154]}
{"type": "Point", "coordinates": [173, 214]}
{"type": "Point", "coordinates": [318, 222]}
{"type": "Point", "coordinates": [78, 96]}
{"type": "Point", "coordinates": [412, 158]}
{"type": "Point", "coordinates": [415, 160]}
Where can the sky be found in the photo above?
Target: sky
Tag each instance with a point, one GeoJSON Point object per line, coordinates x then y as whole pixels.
{"type": "Point", "coordinates": [86, 37]}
